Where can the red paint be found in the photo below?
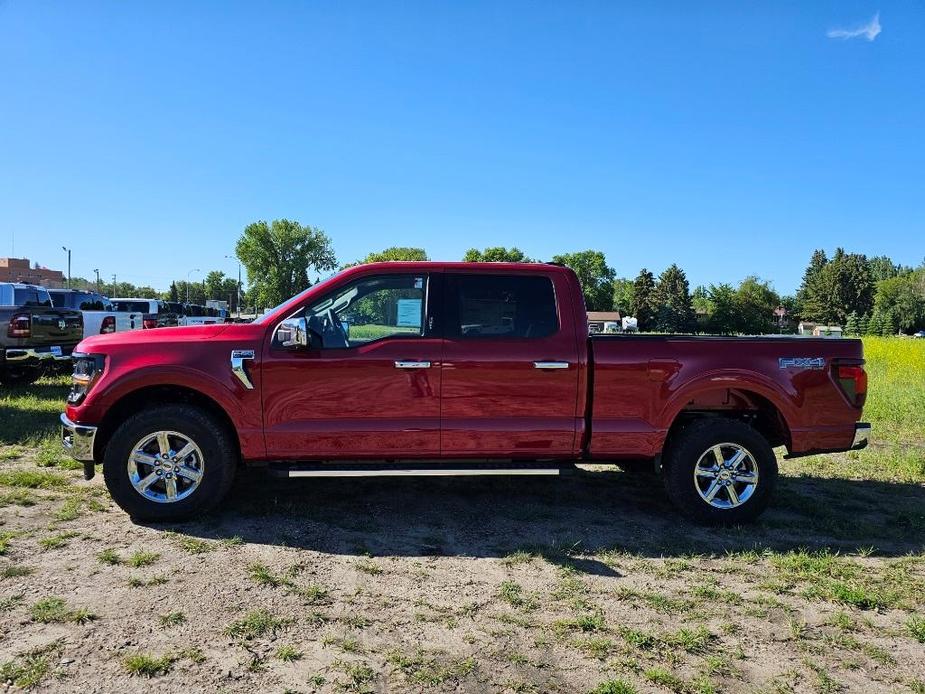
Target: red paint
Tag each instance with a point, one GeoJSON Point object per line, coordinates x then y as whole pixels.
{"type": "Point", "coordinates": [480, 397]}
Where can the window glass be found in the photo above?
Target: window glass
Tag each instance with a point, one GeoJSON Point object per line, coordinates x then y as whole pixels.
{"type": "Point", "coordinates": [485, 306]}
{"type": "Point", "coordinates": [370, 309]}
{"type": "Point", "coordinates": [31, 296]}
{"type": "Point", "coordinates": [132, 306]}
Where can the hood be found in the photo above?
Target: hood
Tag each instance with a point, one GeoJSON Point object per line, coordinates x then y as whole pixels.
{"type": "Point", "coordinates": [192, 333]}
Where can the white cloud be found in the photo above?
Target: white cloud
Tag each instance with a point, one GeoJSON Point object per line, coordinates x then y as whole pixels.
{"type": "Point", "coordinates": [869, 31]}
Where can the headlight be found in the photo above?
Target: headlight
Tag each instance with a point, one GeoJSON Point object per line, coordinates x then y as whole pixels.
{"type": "Point", "coordinates": [87, 371]}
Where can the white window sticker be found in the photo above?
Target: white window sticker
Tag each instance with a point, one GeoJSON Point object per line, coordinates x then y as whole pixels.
{"type": "Point", "coordinates": [409, 313]}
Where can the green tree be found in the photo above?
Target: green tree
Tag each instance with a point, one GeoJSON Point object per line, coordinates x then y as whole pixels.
{"type": "Point", "coordinates": [904, 297]}
{"type": "Point", "coordinates": [623, 296]}
{"type": "Point", "coordinates": [595, 276]}
{"type": "Point", "coordinates": [863, 324]}
{"type": "Point", "coordinates": [848, 284]}
{"type": "Point", "coordinates": [215, 285]}
{"type": "Point", "coordinates": [643, 306]}
{"type": "Point", "coordinates": [396, 253]}
{"type": "Point", "coordinates": [497, 254]}
{"type": "Point", "coordinates": [853, 324]}
{"type": "Point", "coordinates": [673, 313]}
{"type": "Point", "coordinates": [755, 302]}
{"type": "Point", "coordinates": [723, 318]}
{"type": "Point", "coordinates": [811, 297]}
{"type": "Point", "coordinates": [172, 294]}
{"type": "Point", "coordinates": [278, 256]}
{"type": "Point", "coordinates": [882, 267]}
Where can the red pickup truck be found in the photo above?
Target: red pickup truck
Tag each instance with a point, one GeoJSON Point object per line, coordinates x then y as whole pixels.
{"type": "Point", "coordinates": [431, 368]}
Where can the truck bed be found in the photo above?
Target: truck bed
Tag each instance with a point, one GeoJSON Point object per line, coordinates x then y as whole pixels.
{"type": "Point", "coordinates": [641, 383]}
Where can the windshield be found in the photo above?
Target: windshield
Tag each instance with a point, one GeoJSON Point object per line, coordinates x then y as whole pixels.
{"type": "Point", "coordinates": [269, 312]}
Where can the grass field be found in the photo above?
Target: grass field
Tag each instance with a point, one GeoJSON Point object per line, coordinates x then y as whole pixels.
{"type": "Point", "coordinates": [588, 583]}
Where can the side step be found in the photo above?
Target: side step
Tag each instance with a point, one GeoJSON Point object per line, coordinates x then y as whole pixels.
{"type": "Point", "coordinates": [412, 469]}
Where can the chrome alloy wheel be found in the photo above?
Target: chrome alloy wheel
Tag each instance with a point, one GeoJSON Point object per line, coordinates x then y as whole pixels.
{"type": "Point", "coordinates": [165, 467]}
{"type": "Point", "coordinates": [726, 475]}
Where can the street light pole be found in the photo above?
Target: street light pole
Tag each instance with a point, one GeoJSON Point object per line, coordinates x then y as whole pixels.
{"type": "Point", "coordinates": [187, 282]}
{"type": "Point", "coordinates": [231, 257]}
{"type": "Point", "coordinates": [97, 271]}
{"type": "Point", "coordinates": [113, 284]}
{"type": "Point", "coordinates": [68, 250]}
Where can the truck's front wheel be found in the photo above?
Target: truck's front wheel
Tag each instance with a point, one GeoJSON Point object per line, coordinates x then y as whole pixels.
{"type": "Point", "coordinates": [169, 462]}
{"type": "Point", "coordinates": [720, 471]}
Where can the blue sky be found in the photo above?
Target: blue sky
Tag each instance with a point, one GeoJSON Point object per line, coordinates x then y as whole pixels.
{"type": "Point", "coordinates": [731, 138]}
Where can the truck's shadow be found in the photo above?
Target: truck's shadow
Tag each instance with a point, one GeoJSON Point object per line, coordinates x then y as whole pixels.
{"type": "Point", "coordinates": [573, 516]}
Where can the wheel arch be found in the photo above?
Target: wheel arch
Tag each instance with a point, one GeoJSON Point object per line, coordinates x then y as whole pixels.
{"type": "Point", "coordinates": [755, 404]}
{"type": "Point", "coordinates": [162, 394]}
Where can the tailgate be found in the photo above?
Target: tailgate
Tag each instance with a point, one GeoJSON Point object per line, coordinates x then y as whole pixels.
{"type": "Point", "coordinates": [56, 326]}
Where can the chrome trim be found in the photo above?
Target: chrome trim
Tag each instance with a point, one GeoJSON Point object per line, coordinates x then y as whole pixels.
{"type": "Point", "coordinates": [431, 472]}
{"type": "Point", "coordinates": [77, 439]}
{"type": "Point", "coordinates": [412, 364]}
{"type": "Point", "coordinates": [238, 357]}
{"type": "Point", "coordinates": [861, 435]}
{"type": "Point", "coordinates": [29, 353]}
{"type": "Point", "coordinates": [550, 365]}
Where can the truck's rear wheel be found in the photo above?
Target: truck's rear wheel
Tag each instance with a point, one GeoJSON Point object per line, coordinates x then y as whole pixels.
{"type": "Point", "coordinates": [169, 462]}
{"type": "Point", "coordinates": [720, 471]}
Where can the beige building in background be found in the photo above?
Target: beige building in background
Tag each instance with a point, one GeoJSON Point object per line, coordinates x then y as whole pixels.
{"type": "Point", "coordinates": [21, 270]}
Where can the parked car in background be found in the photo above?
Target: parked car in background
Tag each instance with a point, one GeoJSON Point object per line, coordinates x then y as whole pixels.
{"type": "Point", "coordinates": [200, 315]}
{"type": "Point", "coordinates": [177, 309]}
{"type": "Point", "coordinates": [454, 369]}
{"type": "Point", "coordinates": [98, 314]}
{"type": "Point", "coordinates": [145, 313]}
{"type": "Point", "coordinates": [920, 334]}
{"type": "Point", "coordinates": [35, 334]}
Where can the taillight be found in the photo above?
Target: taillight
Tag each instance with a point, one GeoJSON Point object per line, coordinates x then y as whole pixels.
{"type": "Point", "coordinates": [108, 325]}
{"type": "Point", "coordinates": [20, 325]}
{"type": "Point", "coordinates": [852, 379]}
{"type": "Point", "coordinates": [149, 323]}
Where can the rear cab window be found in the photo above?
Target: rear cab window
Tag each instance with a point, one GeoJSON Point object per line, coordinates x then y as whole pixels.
{"type": "Point", "coordinates": [486, 306]}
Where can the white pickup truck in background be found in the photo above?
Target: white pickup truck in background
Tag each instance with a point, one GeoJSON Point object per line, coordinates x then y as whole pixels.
{"type": "Point", "coordinates": [99, 315]}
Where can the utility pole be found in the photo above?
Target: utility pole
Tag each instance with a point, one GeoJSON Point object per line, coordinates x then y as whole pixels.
{"type": "Point", "coordinates": [113, 285]}
{"type": "Point", "coordinates": [68, 265]}
{"type": "Point", "coordinates": [97, 271]}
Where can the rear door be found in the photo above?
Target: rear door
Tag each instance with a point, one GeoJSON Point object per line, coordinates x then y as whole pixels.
{"type": "Point", "coordinates": [510, 369]}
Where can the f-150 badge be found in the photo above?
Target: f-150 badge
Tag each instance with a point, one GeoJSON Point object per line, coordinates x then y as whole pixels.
{"type": "Point", "coordinates": [801, 362]}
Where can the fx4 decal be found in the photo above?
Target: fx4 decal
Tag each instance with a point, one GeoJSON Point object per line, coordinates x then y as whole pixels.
{"type": "Point", "coordinates": [801, 362]}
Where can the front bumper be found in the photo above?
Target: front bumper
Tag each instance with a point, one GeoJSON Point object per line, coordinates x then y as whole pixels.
{"type": "Point", "coordinates": [27, 356]}
{"type": "Point", "coordinates": [77, 440]}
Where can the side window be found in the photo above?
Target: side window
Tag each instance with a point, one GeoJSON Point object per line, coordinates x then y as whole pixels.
{"type": "Point", "coordinates": [501, 306]}
{"type": "Point", "coordinates": [370, 309]}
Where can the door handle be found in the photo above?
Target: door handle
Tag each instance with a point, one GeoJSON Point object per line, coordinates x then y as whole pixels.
{"type": "Point", "coordinates": [550, 365]}
{"type": "Point", "coordinates": [412, 364]}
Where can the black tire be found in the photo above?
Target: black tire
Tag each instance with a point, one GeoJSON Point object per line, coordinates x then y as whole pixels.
{"type": "Point", "coordinates": [20, 375]}
{"type": "Point", "coordinates": [697, 440]}
{"type": "Point", "coordinates": [219, 454]}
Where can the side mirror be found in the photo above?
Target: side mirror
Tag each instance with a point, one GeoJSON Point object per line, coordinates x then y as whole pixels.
{"type": "Point", "coordinates": [293, 333]}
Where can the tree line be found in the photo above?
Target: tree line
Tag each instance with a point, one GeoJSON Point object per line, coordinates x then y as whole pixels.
{"type": "Point", "coordinates": [863, 295]}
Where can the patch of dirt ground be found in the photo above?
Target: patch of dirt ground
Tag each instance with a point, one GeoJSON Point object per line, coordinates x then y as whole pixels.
{"type": "Point", "coordinates": [573, 584]}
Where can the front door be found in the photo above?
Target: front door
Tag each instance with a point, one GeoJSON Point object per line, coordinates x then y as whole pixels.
{"type": "Point", "coordinates": [369, 387]}
{"type": "Point", "coordinates": [510, 367]}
